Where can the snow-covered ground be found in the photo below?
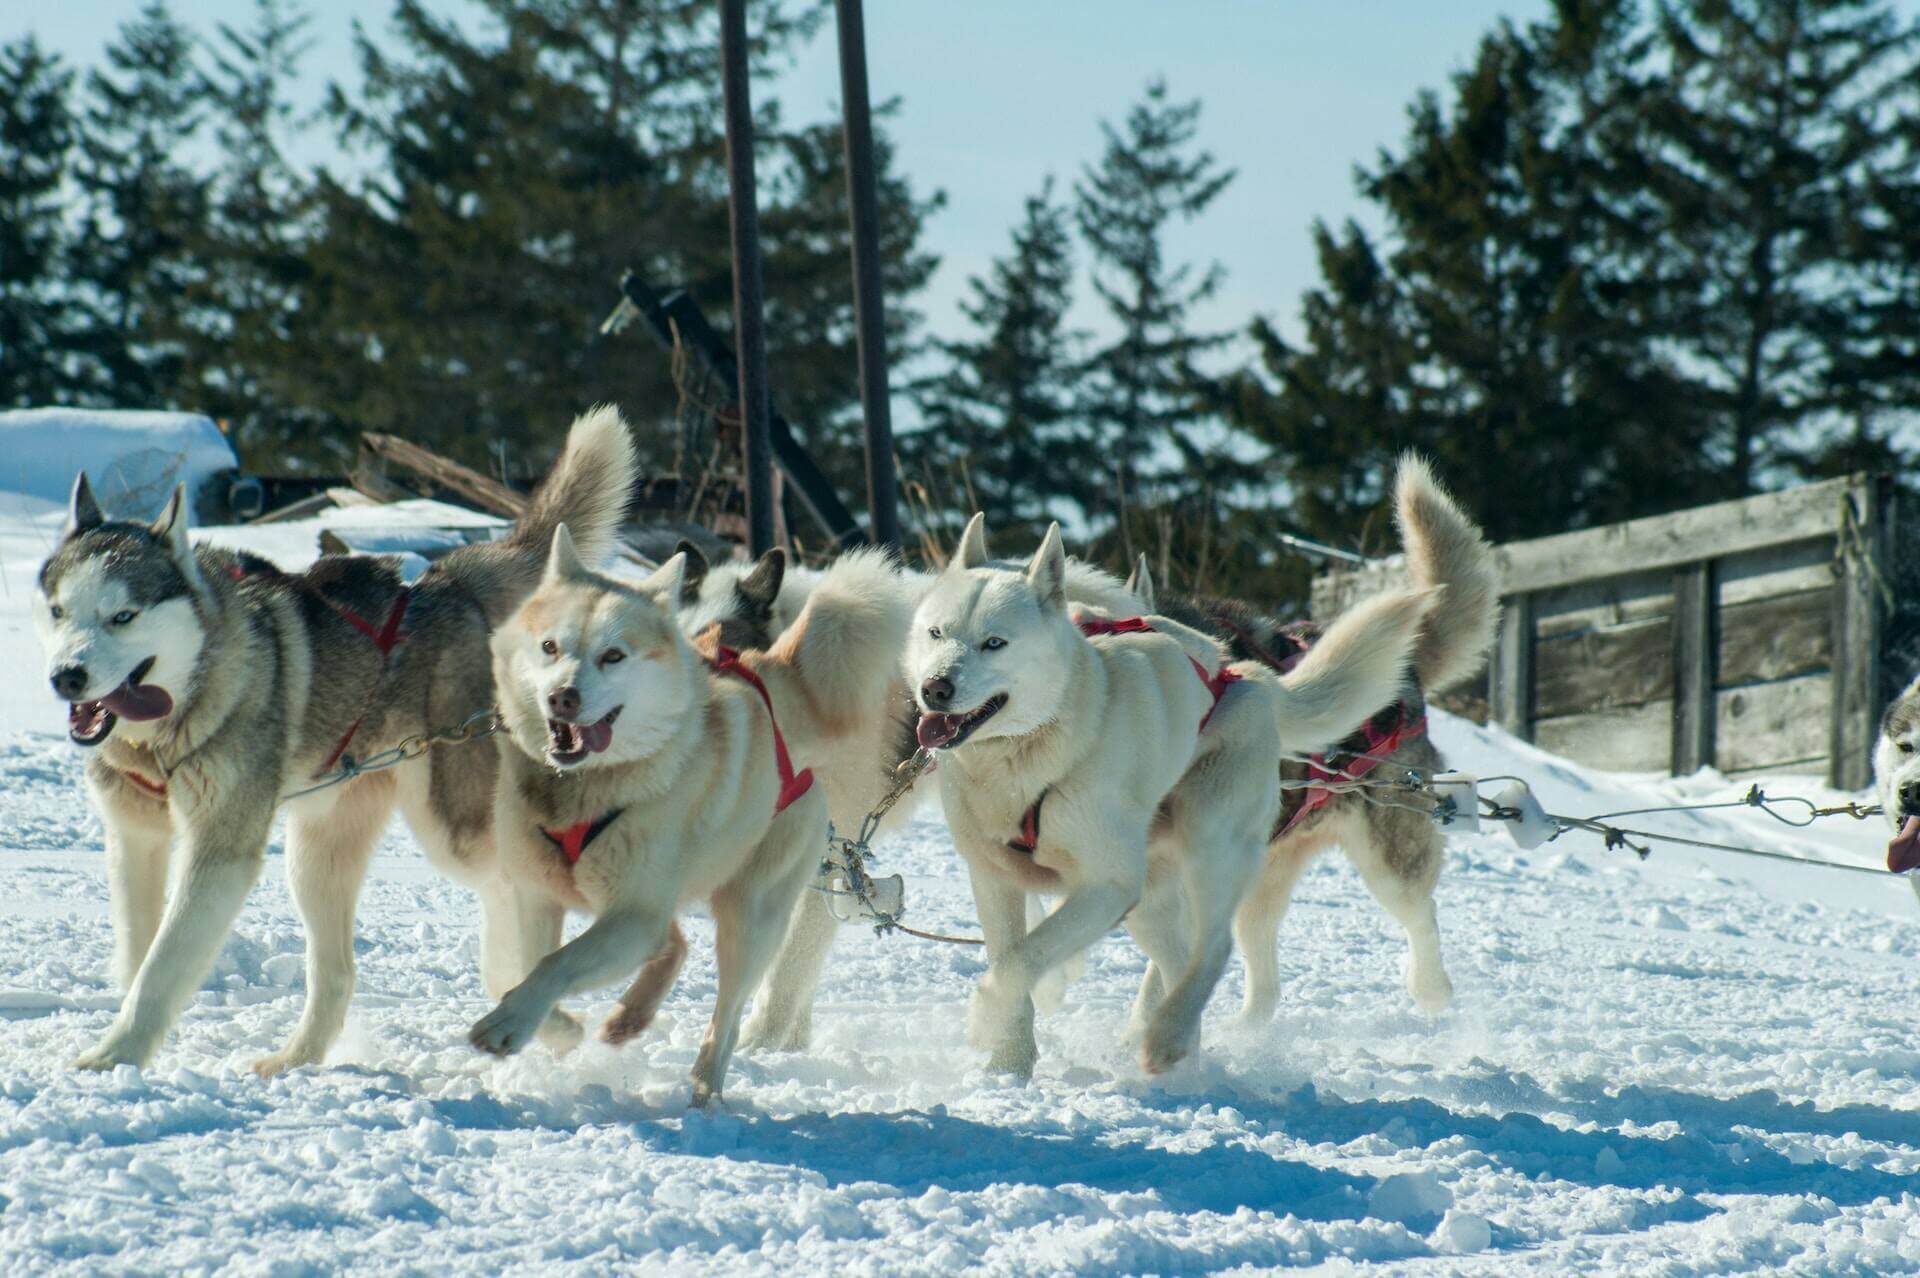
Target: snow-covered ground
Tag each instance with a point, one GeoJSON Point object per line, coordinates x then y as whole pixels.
{"type": "Point", "coordinates": [1696, 1064]}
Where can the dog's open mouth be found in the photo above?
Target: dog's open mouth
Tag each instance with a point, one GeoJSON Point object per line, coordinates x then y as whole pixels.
{"type": "Point", "coordinates": [91, 722]}
{"type": "Point", "coordinates": [946, 731]}
{"type": "Point", "coordinates": [569, 743]}
{"type": "Point", "coordinates": [1903, 853]}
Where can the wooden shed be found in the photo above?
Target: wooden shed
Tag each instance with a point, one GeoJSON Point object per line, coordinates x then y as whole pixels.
{"type": "Point", "coordinates": [1752, 635]}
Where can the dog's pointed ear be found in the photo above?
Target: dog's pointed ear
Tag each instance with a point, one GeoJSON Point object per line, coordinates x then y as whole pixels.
{"type": "Point", "coordinates": [83, 512]}
{"type": "Point", "coordinates": [762, 586]}
{"type": "Point", "coordinates": [668, 584]}
{"type": "Point", "coordinates": [697, 566]}
{"type": "Point", "coordinates": [972, 551]}
{"type": "Point", "coordinates": [1140, 582]}
{"type": "Point", "coordinates": [171, 526]}
{"type": "Point", "coordinates": [1047, 573]}
{"type": "Point", "coordinates": [563, 559]}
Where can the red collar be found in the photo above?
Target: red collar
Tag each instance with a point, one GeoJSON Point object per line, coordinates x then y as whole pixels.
{"type": "Point", "coordinates": [792, 785]}
{"type": "Point", "coordinates": [573, 840]}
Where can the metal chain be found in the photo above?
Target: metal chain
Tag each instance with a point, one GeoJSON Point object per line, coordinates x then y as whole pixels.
{"type": "Point", "coordinates": [481, 723]}
{"type": "Point", "coordinates": [852, 854]}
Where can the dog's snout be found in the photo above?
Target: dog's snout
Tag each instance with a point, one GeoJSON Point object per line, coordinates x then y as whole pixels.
{"type": "Point", "coordinates": [564, 703]}
{"type": "Point", "coordinates": [70, 681]}
{"type": "Point", "coordinates": [1910, 799]}
{"type": "Point", "coordinates": [937, 692]}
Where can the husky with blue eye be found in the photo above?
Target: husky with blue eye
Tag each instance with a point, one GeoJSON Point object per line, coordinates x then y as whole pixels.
{"type": "Point", "coordinates": [211, 690]}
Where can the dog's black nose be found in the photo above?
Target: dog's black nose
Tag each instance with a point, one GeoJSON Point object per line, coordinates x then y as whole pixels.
{"type": "Point", "coordinates": [937, 692]}
{"type": "Point", "coordinates": [69, 682]}
{"type": "Point", "coordinates": [1910, 798]}
{"type": "Point", "coordinates": [564, 703]}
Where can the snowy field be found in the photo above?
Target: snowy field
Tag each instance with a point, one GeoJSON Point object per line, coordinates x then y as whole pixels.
{"type": "Point", "coordinates": [1694, 1065]}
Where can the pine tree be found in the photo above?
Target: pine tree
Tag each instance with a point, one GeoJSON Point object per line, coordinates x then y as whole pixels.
{"type": "Point", "coordinates": [1001, 429]}
{"type": "Point", "coordinates": [143, 210]}
{"type": "Point", "coordinates": [1779, 125]}
{"type": "Point", "coordinates": [37, 324]}
{"type": "Point", "coordinates": [1147, 407]}
{"type": "Point", "coordinates": [1501, 328]}
{"type": "Point", "coordinates": [252, 247]}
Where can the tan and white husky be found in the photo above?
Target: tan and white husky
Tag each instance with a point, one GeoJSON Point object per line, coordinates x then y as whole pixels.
{"type": "Point", "coordinates": [641, 772]}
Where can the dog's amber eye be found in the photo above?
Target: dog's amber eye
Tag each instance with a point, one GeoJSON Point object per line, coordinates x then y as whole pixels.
{"type": "Point", "coordinates": [994, 644]}
{"type": "Point", "coordinates": [549, 647]}
{"type": "Point", "coordinates": [611, 656]}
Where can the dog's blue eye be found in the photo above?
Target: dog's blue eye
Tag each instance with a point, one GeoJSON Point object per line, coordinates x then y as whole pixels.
{"type": "Point", "coordinates": [122, 617]}
{"type": "Point", "coordinates": [56, 611]}
{"type": "Point", "coordinates": [994, 644]}
{"type": "Point", "coordinates": [933, 633]}
{"type": "Point", "coordinates": [611, 656]}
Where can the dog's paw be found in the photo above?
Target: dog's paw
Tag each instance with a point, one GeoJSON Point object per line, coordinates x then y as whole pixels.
{"type": "Point", "coordinates": [509, 1027]}
{"type": "Point", "coordinates": [110, 1053]}
{"type": "Point", "coordinates": [1015, 1056]}
{"type": "Point", "coordinates": [705, 1095]}
{"type": "Point", "coordinates": [992, 1011]}
{"type": "Point", "coordinates": [282, 1061]}
{"type": "Point", "coordinates": [1431, 988]}
{"type": "Point", "coordinates": [623, 1025]}
{"type": "Point", "coordinates": [1166, 1044]}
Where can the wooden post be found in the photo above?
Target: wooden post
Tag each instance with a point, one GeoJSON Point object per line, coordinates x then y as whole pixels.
{"type": "Point", "coordinates": [1858, 614]}
{"type": "Point", "coordinates": [1695, 657]}
{"type": "Point", "coordinates": [869, 298]}
{"type": "Point", "coordinates": [1513, 667]}
{"type": "Point", "coordinates": [749, 330]}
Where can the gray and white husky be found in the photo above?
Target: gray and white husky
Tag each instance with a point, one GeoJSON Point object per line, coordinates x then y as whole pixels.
{"type": "Point", "coordinates": [209, 689]}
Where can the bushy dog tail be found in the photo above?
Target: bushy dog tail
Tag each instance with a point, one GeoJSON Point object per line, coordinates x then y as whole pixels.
{"type": "Point", "coordinates": [845, 644]}
{"type": "Point", "coordinates": [1354, 670]}
{"type": "Point", "coordinates": [1444, 549]}
{"type": "Point", "coordinates": [588, 491]}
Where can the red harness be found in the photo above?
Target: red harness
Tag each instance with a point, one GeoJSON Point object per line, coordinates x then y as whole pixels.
{"type": "Point", "coordinates": [573, 840]}
{"type": "Point", "coordinates": [386, 637]}
{"type": "Point", "coordinates": [1365, 749]}
{"type": "Point", "coordinates": [158, 789]}
{"type": "Point", "coordinates": [1029, 836]}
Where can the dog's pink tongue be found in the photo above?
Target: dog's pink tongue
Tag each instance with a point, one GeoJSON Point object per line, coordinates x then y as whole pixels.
{"type": "Point", "coordinates": [138, 702]}
{"type": "Point", "coordinates": [1903, 853]}
{"type": "Point", "coordinates": [935, 730]}
{"type": "Point", "coordinates": [596, 736]}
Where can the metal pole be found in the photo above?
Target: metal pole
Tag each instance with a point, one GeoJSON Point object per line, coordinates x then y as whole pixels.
{"type": "Point", "coordinates": [749, 329]}
{"type": "Point", "coordinates": [869, 304]}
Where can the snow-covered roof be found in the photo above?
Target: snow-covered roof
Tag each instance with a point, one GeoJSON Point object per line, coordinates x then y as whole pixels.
{"type": "Point", "coordinates": [133, 458]}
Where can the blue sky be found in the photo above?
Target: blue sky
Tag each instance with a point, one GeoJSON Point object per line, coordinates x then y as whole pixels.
{"type": "Point", "coordinates": [996, 94]}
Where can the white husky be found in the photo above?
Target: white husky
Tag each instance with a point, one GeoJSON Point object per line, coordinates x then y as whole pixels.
{"type": "Point", "coordinates": [1121, 771]}
{"type": "Point", "coordinates": [642, 772]}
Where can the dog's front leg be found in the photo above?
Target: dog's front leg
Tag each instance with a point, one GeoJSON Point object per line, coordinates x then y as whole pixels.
{"type": "Point", "coordinates": [610, 949]}
{"type": "Point", "coordinates": [222, 845]}
{"type": "Point", "coordinates": [1002, 907]}
{"type": "Point", "coordinates": [138, 837]}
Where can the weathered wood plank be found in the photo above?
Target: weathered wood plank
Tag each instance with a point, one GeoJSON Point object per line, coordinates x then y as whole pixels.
{"type": "Point", "coordinates": [1777, 570]}
{"type": "Point", "coordinates": [1766, 725]}
{"type": "Point", "coordinates": [1694, 656]}
{"type": "Point", "coordinates": [1603, 668]}
{"type": "Point", "coordinates": [1513, 668]}
{"type": "Point", "coordinates": [1776, 638]}
{"type": "Point", "coordinates": [1470, 700]}
{"type": "Point", "coordinates": [1666, 541]}
{"type": "Point", "coordinates": [1635, 597]}
{"type": "Point", "coordinates": [1858, 616]}
{"type": "Point", "coordinates": [1630, 739]}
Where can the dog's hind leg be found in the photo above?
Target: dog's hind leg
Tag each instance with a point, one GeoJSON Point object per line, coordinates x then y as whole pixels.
{"type": "Point", "coordinates": [223, 845]}
{"type": "Point", "coordinates": [782, 1019]}
{"type": "Point", "coordinates": [1223, 856]}
{"type": "Point", "coordinates": [1256, 925]}
{"type": "Point", "coordinates": [138, 837]}
{"type": "Point", "coordinates": [330, 839]}
{"type": "Point", "coordinates": [1158, 926]}
{"type": "Point", "coordinates": [747, 912]}
{"type": "Point", "coordinates": [641, 1002]}
{"type": "Point", "coordinates": [1400, 855]}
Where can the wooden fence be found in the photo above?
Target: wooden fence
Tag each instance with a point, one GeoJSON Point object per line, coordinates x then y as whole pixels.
{"type": "Point", "coordinates": [1750, 635]}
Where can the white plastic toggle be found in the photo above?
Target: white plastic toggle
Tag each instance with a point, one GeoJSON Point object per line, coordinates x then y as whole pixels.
{"type": "Point", "coordinates": [1533, 826]}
